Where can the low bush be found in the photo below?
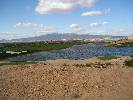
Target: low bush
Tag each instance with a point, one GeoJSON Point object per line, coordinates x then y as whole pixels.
{"type": "Point", "coordinates": [129, 63]}
{"type": "Point", "coordinates": [18, 63]}
{"type": "Point", "coordinates": [82, 65]}
{"type": "Point", "coordinates": [107, 57]}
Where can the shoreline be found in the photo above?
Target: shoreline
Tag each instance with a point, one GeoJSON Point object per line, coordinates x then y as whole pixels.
{"type": "Point", "coordinates": [92, 59]}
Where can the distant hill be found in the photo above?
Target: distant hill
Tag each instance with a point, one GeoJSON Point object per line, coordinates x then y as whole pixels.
{"type": "Point", "coordinates": [58, 36]}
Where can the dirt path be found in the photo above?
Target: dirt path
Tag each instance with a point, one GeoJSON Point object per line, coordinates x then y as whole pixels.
{"type": "Point", "coordinates": [68, 80]}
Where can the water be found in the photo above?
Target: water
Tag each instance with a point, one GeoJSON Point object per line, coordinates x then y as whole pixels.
{"type": "Point", "coordinates": [75, 52]}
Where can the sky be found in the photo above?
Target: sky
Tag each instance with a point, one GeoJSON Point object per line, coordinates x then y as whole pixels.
{"type": "Point", "coordinates": [28, 18]}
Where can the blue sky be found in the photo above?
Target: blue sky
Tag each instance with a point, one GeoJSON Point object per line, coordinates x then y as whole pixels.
{"type": "Point", "coordinates": [27, 18]}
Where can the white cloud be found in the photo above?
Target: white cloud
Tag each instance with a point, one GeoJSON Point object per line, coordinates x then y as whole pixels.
{"type": "Point", "coordinates": [7, 33]}
{"type": "Point", "coordinates": [103, 33]}
{"type": "Point", "coordinates": [123, 30]}
{"type": "Point", "coordinates": [96, 13]}
{"type": "Point", "coordinates": [106, 11]}
{"type": "Point", "coordinates": [74, 26]}
{"type": "Point", "coordinates": [78, 29]}
{"type": "Point", "coordinates": [98, 24]}
{"type": "Point", "coordinates": [92, 13]}
{"type": "Point", "coordinates": [29, 26]}
{"type": "Point", "coordinates": [37, 27]}
{"type": "Point", "coordinates": [61, 6]}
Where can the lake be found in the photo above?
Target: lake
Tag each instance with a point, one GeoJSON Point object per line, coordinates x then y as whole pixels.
{"type": "Point", "coordinates": [75, 52]}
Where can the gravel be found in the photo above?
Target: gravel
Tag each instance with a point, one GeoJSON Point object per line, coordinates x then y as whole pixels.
{"type": "Point", "coordinates": [62, 80]}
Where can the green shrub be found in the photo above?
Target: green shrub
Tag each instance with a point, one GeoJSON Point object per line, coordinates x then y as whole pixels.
{"type": "Point", "coordinates": [18, 63]}
{"type": "Point", "coordinates": [107, 57]}
{"type": "Point", "coordinates": [126, 44]}
{"type": "Point", "coordinates": [82, 65]}
{"type": "Point", "coordinates": [129, 63]}
{"type": "Point", "coordinates": [88, 65]}
{"type": "Point", "coordinates": [65, 64]}
{"type": "Point", "coordinates": [131, 56]}
{"type": "Point", "coordinates": [79, 65]}
{"type": "Point", "coordinates": [76, 96]}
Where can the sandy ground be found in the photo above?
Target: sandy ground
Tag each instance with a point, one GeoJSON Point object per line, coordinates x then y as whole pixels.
{"type": "Point", "coordinates": [89, 79]}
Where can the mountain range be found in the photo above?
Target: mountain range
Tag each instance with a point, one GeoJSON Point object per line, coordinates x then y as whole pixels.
{"type": "Point", "coordinates": [61, 36]}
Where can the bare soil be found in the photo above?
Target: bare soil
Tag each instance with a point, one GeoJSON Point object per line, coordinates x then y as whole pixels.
{"type": "Point", "coordinates": [89, 79]}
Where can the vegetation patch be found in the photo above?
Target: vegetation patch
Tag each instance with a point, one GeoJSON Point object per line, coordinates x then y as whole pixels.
{"type": "Point", "coordinates": [14, 49]}
{"type": "Point", "coordinates": [76, 96]}
{"type": "Point", "coordinates": [18, 63]}
{"type": "Point", "coordinates": [107, 57]}
{"type": "Point", "coordinates": [129, 63]}
{"type": "Point", "coordinates": [65, 64]}
{"type": "Point", "coordinates": [131, 56]}
{"type": "Point", "coordinates": [119, 45]}
{"type": "Point", "coordinates": [82, 65]}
